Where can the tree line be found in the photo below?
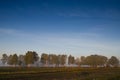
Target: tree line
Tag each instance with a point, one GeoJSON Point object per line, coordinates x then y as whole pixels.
{"type": "Point", "coordinates": [32, 58]}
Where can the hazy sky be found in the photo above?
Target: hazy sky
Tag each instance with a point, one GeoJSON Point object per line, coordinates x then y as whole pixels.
{"type": "Point", "coordinates": [77, 27]}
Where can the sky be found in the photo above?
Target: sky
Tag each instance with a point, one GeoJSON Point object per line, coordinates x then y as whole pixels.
{"type": "Point", "coordinates": [76, 27]}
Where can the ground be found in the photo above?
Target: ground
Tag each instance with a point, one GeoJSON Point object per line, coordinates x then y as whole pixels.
{"type": "Point", "coordinates": [59, 73]}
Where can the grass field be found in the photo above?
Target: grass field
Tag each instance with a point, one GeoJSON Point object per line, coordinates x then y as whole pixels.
{"type": "Point", "coordinates": [59, 73]}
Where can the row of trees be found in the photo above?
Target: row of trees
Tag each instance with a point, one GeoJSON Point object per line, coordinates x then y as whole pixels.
{"type": "Point", "coordinates": [31, 57]}
{"type": "Point", "coordinates": [99, 60]}
{"type": "Point", "coordinates": [53, 59]}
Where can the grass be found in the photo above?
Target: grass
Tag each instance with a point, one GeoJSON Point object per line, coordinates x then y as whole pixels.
{"type": "Point", "coordinates": [59, 73]}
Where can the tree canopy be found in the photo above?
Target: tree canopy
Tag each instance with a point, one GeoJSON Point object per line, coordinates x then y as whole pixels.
{"type": "Point", "coordinates": [113, 61]}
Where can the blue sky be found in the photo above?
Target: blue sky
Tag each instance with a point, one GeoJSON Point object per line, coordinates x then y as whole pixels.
{"type": "Point", "coordinates": [77, 27]}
